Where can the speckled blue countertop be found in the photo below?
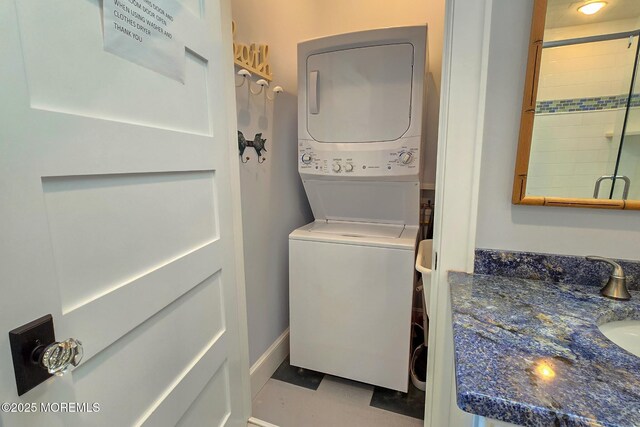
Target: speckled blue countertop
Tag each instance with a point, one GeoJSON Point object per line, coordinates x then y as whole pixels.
{"type": "Point", "coordinates": [529, 352]}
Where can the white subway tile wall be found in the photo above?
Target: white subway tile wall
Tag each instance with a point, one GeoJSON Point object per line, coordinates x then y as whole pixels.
{"type": "Point", "coordinates": [571, 150]}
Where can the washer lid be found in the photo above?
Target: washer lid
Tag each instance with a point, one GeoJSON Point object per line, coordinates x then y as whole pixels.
{"type": "Point", "coordinates": [406, 241]}
{"type": "Point", "coordinates": [357, 229]}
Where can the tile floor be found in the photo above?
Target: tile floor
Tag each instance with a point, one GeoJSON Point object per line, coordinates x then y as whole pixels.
{"type": "Point", "coordinates": [296, 397]}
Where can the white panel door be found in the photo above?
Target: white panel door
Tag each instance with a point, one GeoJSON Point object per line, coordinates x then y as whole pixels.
{"type": "Point", "coordinates": [117, 217]}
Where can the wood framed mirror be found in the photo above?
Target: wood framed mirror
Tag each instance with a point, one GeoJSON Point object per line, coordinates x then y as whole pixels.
{"type": "Point", "coordinates": [579, 143]}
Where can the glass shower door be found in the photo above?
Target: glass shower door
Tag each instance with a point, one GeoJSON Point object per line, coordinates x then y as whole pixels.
{"type": "Point", "coordinates": [580, 114]}
{"type": "Point", "coordinates": [627, 170]}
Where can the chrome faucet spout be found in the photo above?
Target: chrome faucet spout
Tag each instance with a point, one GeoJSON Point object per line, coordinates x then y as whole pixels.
{"type": "Point", "coordinates": [616, 287]}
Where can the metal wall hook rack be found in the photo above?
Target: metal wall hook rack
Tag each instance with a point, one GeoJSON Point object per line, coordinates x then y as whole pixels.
{"type": "Point", "coordinates": [258, 143]}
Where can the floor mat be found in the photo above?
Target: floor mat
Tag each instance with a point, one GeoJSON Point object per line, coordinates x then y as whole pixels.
{"type": "Point", "coordinates": [298, 376]}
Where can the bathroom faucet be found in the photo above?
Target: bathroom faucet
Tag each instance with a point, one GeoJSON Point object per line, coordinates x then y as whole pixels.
{"type": "Point", "coordinates": [616, 287]}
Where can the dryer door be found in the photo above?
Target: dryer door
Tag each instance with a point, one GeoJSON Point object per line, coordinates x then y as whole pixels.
{"type": "Point", "coordinates": [360, 94]}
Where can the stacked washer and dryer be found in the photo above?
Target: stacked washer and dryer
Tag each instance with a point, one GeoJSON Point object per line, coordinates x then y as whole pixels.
{"type": "Point", "coordinates": [360, 143]}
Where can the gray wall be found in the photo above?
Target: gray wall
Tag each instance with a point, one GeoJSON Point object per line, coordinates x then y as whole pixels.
{"type": "Point", "coordinates": [502, 225]}
{"type": "Point", "coordinates": [273, 205]}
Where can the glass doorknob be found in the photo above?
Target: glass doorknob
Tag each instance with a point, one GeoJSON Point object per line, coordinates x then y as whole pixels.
{"type": "Point", "coordinates": [58, 356]}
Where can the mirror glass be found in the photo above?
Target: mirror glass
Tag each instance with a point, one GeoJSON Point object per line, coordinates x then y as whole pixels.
{"type": "Point", "coordinates": [586, 128]}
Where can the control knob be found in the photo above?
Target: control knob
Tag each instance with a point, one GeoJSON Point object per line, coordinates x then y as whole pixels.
{"type": "Point", "coordinates": [336, 167]}
{"type": "Point", "coordinates": [406, 157]}
{"type": "Point", "coordinates": [348, 167]}
{"type": "Point", "coordinates": [306, 158]}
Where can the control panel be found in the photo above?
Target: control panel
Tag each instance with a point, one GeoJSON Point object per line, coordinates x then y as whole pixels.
{"type": "Point", "coordinates": [399, 159]}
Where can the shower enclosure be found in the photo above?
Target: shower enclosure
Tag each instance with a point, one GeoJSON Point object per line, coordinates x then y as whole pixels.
{"type": "Point", "coordinates": [586, 134]}
{"type": "Point", "coordinates": [628, 161]}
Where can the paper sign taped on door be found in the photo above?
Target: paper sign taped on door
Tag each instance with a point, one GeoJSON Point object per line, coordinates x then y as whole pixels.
{"type": "Point", "coordinates": [144, 32]}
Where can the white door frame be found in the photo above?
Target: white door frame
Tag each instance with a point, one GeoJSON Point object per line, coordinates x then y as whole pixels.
{"type": "Point", "coordinates": [227, 72]}
{"type": "Point", "coordinates": [461, 127]}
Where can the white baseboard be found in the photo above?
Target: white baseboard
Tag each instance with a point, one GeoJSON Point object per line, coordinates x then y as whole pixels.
{"type": "Point", "coordinates": [259, 423]}
{"type": "Point", "coordinates": [267, 364]}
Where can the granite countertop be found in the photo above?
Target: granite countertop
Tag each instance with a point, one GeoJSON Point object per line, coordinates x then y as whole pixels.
{"type": "Point", "coordinates": [529, 352]}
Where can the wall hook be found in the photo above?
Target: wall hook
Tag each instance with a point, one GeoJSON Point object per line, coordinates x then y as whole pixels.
{"type": "Point", "coordinates": [264, 159]}
{"type": "Point", "coordinates": [276, 91]}
{"type": "Point", "coordinates": [262, 83]}
{"type": "Point", "coordinates": [242, 144]}
{"type": "Point", "coordinates": [244, 74]}
{"type": "Point", "coordinates": [258, 144]}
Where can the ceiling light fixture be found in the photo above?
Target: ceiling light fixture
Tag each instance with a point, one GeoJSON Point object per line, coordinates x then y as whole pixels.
{"type": "Point", "coordinates": [591, 8]}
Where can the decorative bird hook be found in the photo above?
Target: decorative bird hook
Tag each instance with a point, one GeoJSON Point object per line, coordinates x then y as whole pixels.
{"type": "Point", "coordinates": [242, 145]}
{"type": "Point", "coordinates": [258, 144]}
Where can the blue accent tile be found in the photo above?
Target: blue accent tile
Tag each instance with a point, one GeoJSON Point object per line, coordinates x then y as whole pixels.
{"type": "Point", "coordinates": [585, 104]}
